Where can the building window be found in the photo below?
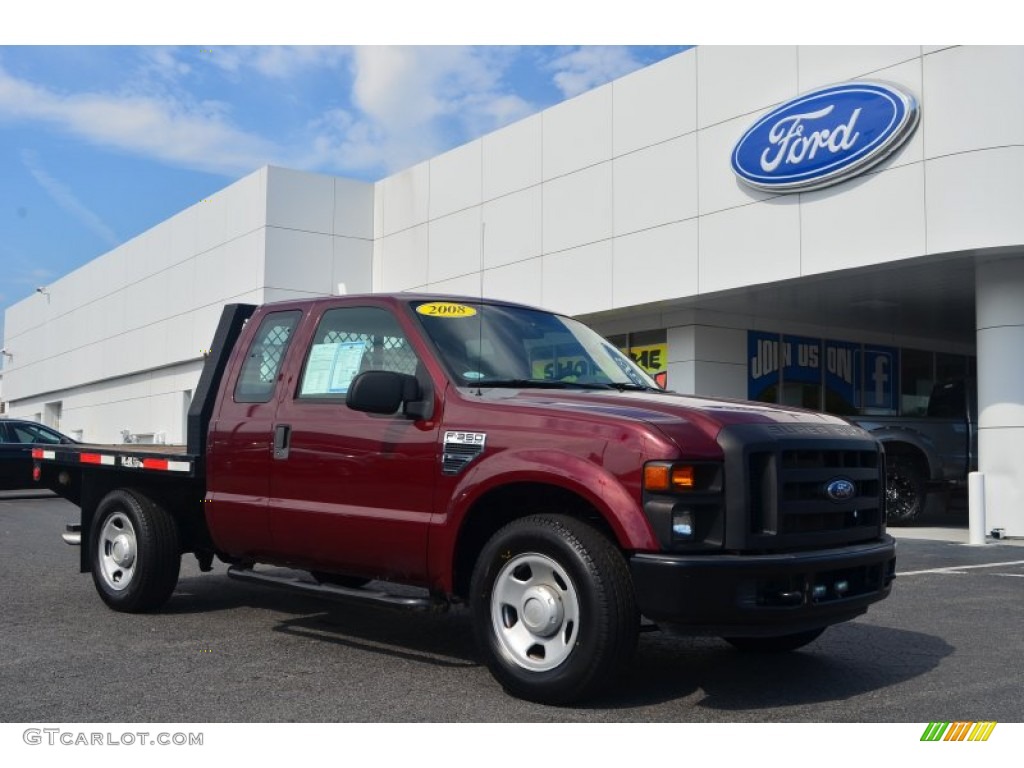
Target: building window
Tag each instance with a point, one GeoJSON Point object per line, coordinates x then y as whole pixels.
{"type": "Point", "coordinates": [648, 349]}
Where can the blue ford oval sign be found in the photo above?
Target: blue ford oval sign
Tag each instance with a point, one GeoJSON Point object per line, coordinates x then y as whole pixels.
{"type": "Point", "coordinates": [824, 137]}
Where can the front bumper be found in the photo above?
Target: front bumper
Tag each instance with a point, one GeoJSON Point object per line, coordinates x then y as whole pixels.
{"type": "Point", "coordinates": [763, 594]}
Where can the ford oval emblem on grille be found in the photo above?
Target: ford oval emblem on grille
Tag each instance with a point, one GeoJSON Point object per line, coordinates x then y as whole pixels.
{"type": "Point", "coordinates": [840, 489]}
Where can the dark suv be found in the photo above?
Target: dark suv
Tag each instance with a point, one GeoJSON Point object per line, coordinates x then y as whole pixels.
{"type": "Point", "coordinates": [16, 440]}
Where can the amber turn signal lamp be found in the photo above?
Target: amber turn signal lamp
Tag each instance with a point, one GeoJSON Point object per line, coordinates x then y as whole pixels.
{"type": "Point", "coordinates": [682, 477]}
{"type": "Point", "coordinates": [656, 477]}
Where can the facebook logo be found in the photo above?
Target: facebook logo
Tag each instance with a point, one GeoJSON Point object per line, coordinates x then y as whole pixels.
{"type": "Point", "coordinates": [880, 377]}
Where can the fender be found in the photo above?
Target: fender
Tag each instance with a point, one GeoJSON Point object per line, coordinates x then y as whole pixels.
{"type": "Point", "coordinates": [582, 477]}
{"type": "Point", "coordinates": [886, 434]}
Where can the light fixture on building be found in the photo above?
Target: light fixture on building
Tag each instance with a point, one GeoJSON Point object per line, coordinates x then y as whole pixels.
{"type": "Point", "coordinates": [8, 355]}
{"type": "Point", "coordinates": [42, 289]}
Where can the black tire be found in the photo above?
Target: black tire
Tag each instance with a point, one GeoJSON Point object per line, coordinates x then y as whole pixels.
{"type": "Point", "coordinates": [134, 552]}
{"type": "Point", "coordinates": [904, 490]}
{"type": "Point", "coordinates": [776, 644]}
{"type": "Point", "coordinates": [554, 612]}
{"type": "Point", "coordinates": [340, 579]}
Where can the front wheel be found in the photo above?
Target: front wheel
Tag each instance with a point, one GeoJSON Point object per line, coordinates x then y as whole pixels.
{"type": "Point", "coordinates": [135, 558]}
{"type": "Point", "coordinates": [553, 609]}
{"type": "Point", "coordinates": [776, 644]}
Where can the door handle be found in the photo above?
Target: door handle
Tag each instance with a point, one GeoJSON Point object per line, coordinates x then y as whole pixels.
{"type": "Point", "coordinates": [282, 440]}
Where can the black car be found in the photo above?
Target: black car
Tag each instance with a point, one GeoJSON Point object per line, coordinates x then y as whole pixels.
{"type": "Point", "coordinates": [16, 441]}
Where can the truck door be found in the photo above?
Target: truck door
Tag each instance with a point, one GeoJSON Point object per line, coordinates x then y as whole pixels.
{"type": "Point", "coordinates": [239, 450]}
{"type": "Point", "coordinates": [351, 492]}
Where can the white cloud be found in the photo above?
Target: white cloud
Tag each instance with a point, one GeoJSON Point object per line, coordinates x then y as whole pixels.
{"type": "Point", "coordinates": [196, 136]}
{"type": "Point", "coordinates": [276, 61]}
{"type": "Point", "coordinates": [411, 102]}
{"type": "Point", "coordinates": [67, 200]}
{"type": "Point", "coordinates": [590, 66]}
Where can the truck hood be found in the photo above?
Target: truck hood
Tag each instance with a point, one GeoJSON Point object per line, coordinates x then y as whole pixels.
{"type": "Point", "coordinates": [674, 414]}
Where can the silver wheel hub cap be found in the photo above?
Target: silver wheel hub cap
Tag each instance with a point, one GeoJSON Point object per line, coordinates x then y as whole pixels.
{"type": "Point", "coordinates": [542, 611]}
{"type": "Point", "coordinates": [118, 548]}
{"type": "Point", "coordinates": [123, 551]}
{"type": "Point", "coordinates": [535, 612]}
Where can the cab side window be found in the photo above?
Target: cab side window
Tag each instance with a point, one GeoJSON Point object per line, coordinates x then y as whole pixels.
{"type": "Point", "coordinates": [348, 341]}
{"type": "Point", "coordinates": [263, 362]}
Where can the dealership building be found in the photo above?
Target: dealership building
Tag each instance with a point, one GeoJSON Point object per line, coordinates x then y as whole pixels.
{"type": "Point", "coordinates": [714, 214]}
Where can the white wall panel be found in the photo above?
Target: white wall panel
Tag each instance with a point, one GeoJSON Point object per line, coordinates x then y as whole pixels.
{"type": "Point", "coordinates": [655, 103]}
{"type": "Point", "coordinates": [454, 245]}
{"type": "Point", "coordinates": [512, 158]}
{"type": "Point", "coordinates": [718, 187]}
{"type": "Point", "coordinates": [655, 186]}
{"type": "Point", "coordinates": [578, 208]}
{"type": "Point", "coordinates": [720, 380]}
{"type": "Point", "coordinates": [212, 272]}
{"type": "Point", "coordinates": [721, 345]}
{"type": "Point", "coordinates": [521, 282]}
{"type": "Point", "coordinates": [354, 213]}
{"type": "Point", "coordinates": [682, 343]}
{"type": "Point", "coordinates": [352, 264]}
{"type": "Point", "coordinates": [682, 377]}
{"type": "Point", "coordinates": [745, 246]}
{"type": "Point", "coordinates": [455, 180]}
{"type": "Point", "coordinates": [466, 285]}
{"type": "Point", "coordinates": [245, 264]}
{"type": "Point", "coordinates": [211, 221]}
{"type": "Point", "coordinates": [975, 200]}
{"type": "Point", "coordinates": [655, 265]}
{"type": "Point", "coordinates": [578, 132]}
{"type": "Point", "coordinates": [299, 200]}
{"type": "Point", "coordinates": [872, 219]}
{"type": "Point", "coordinates": [406, 198]}
{"type": "Point", "coordinates": [182, 236]}
{"type": "Point", "coordinates": [578, 280]}
{"type": "Point", "coordinates": [204, 325]}
{"type": "Point", "coordinates": [180, 283]}
{"type": "Point", "coordinates": [513, 227]}
{"type": "Point", "coordinates": [300, 261]}
{"type": "Point", "coordinates": [822, 65]}
{"type": "Point", "coordinates": [245, 204]}
{"type": "Point", "coordinates": [973, 99]}
{"type": "Point", "coordinates": [404, 259]}
{"type": "Point", "coordinates": [738, 80]}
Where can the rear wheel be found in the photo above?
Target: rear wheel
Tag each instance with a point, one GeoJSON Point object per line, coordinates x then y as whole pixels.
{"type": "Point", "coordinates": [777, 644]}
{"type": "Point", "coordinates": [904, 490]}
{"type": "Point", "coordinates": [134, 552]}
{"type": "Point", "coordinates": [553, 609]}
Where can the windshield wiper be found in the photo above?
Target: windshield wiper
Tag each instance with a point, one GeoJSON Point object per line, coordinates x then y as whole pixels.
{"type": "Point", "coordinates": [624, 387]}
{"type": "Point", "coordinates": [539, 384]}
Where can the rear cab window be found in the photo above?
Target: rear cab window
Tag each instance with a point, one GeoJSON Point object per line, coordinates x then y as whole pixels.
{"type": "Point", "coordinates": [258, 377]}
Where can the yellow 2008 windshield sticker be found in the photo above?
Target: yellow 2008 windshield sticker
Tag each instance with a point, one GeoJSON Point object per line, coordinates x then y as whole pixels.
{"type": "Point", "coordinates": [445, 309]}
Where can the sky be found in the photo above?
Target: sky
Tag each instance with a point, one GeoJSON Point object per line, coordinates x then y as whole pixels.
{"type": "Point", "coordinates": [99, 143]}
{"type": "Point", "coordinates": [109, 125]}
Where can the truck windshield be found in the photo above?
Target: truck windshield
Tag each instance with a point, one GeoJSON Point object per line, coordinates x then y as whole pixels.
{"type": "Point", "coordinates": [497, 345]}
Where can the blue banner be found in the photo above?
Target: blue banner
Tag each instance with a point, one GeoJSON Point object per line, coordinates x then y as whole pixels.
{"type": "Point", "coordinates": [842, 373]}
{"type": "Point", "coordinates": [801, 360]}
{"type": "Point", "coordinates": [763, 363]}
{"type": "Point", "coordinates": [881, 378]}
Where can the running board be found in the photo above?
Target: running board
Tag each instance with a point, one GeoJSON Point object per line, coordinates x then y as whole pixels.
{"type": "Point", "coordinates": [341, 594]}
{"type": "Point", "coordinates": [72, 535]}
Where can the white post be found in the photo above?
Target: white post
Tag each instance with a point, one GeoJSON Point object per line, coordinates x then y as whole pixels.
{"type": "Point", "coordinates": [976, 506]}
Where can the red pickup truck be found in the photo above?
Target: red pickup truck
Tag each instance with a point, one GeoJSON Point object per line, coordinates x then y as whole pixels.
{"type": "Point", "coordinates": [498, 456]}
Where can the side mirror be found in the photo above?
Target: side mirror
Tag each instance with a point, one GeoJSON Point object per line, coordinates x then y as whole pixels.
{"type": "Point", "coordinates": [384, 392]}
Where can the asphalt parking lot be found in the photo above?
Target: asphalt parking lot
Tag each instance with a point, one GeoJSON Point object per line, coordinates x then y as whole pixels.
{"type": "Point", "coordinates": [946, 646]}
